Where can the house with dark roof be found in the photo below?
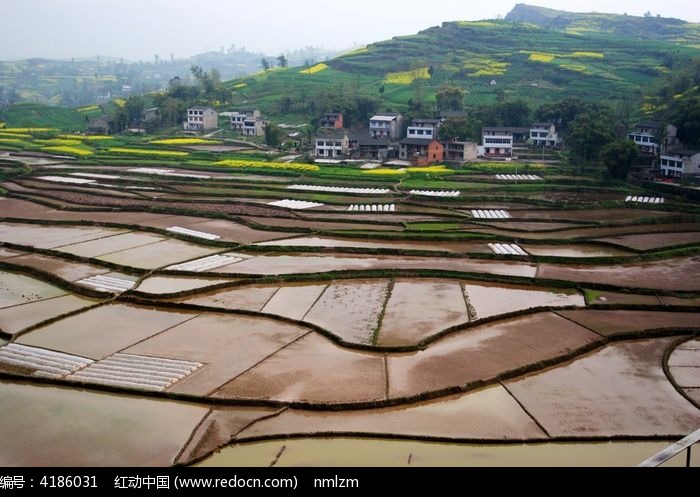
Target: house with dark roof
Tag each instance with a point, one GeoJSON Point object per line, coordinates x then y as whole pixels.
{"type": "Point", "coordinates": [646, 136]}
{"type": "Point", "coordinates": [544, 134]}
{"type": "Point", "coordinates": [332, 145]}
{"type": "Point", "coordinates": [680, 162]}
{"type": "Point", "coordinates": [421, 152]}
{"type": "Point", "coordinates": [331, 120]}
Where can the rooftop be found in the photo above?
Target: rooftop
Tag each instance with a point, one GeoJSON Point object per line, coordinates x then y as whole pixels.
{"type": "Point", "coordinates": [383, 118]}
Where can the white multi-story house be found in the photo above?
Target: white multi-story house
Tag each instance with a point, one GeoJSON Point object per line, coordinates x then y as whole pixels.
{"type": "Point", "coordinates": [680, 162]}
{"type": "Point", "coordinates": [387, 125]}
{"type": "Point", "coordinates": [331, 146]}
{"type": "Point", "coordinates": [200, 118]}
{"type": "Point", "coordinates": [544, 135]}
{"type": "Point", "coordinates": [248, 122]}
{"type": "Point", "coordinates": [646, 135]}
{"type": "Point", "coordinates": [423, 129]}
{"type": "Point", "coordinates": [497, 142]}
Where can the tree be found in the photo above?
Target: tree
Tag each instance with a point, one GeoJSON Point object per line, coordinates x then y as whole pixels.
{"type": "Point", "coordinates": [273, 135]}
{"type": "Point", "coordinates": [265, 64]}
{"type": "Point", "coordinates": [685, 114]}
{"type": "Point", "coordinates": [619, 157]}
{"type": "Point", "coordinates": [563, 112]}
{"type": "Point", "coordinates": [134, 108]}
{"type": "Point", "coordinates": [282, 61]}
{"type": "Point", "coordinates": [589, 133]}
{"type": "Point", "coordinates": [450, 98]}
{"type": "Point", "coordinates": [454, 128]}
{"type": "Point", "coordinates": [515, 113]}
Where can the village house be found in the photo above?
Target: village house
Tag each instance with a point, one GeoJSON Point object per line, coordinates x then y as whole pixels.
{"type": "Point", "coordinates": [149, 115]}
{"type": "Point", "coordinates": [101, 125]}
{"type": "Point", "coordinates": [366, 147]}
{"type": "Point", "coordinates": [646, 135]}
{"type": "Point", "coordinates": [331, 121]}
{"type": "Point", "coordinates": [426, 129]}
{"type": "Point", "coordinates": [544, 135]}
{"type": "Point", "coordinates": [332, 145]}
{"type": "Point", "coordinates": [200, 118]}
{"type": "Point", "coordinates": [460, 151]}
{"type": "Point", "coordinates": [680, 162]}
{"type": "Point", "coordinates": [499, 141]}
{"type": "Point", "coordinates": [248, 122]}
{"type": "Point", "coordinates": [385, 125]}
{"type": "Point", "coordinates": [421, 152]}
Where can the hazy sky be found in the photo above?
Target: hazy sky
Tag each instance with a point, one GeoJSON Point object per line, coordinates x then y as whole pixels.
{"type": "Point", "coordinates": [139, 29]}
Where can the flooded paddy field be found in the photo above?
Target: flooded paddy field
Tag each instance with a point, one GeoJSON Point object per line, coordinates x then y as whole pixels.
{"type": "Point", "coordinates": [206, 293]}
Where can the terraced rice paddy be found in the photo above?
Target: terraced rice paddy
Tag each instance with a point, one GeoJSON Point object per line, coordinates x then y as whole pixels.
{"type": "Point", "coordinates": [467, 310]}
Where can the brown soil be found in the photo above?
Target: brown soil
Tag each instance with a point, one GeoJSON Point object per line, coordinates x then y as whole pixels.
{"type": "Point", "coordinates": [620, 390]}
{"type": "Point", "coordinates": [615, 322]}
{"type": "Point", "coordinates": [312, 369]}
{"type": "Point", "coordinates": [654, 241]}
{"type": "Point", "coordinates": [491, 413]}
{"type": "Point", "coordinates": [673, 274]}
{"type": "Point", "coordinates": [484, 352]}
{"type": "Point", "coordinates": [228, 345]}
{"type": "Point", "coordinates": [101, 332]}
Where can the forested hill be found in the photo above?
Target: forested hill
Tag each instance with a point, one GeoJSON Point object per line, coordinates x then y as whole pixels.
{"type": "Point", "coordinates": [650, 27]}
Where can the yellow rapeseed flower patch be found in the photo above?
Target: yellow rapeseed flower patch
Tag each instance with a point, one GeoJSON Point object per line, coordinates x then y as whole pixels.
{"type": "Point", "coordinates": [59, 142]}
{"type": "Point", "coordinates": [592, 55]}
{"type": "Point", "coordinates": [430, 170]}
{"type": "Point", "coordinates": [313, 70]}
{"type": "Point", "coordinates": [541, 57]}
{"type": "Point", "coordinates": [11, 141]}
{"type": "Point", "coordinates": [87, 138]}
{"type": "Point", "coordinates": [184, 141]}
{"type": "Point", "coordinates": [69, 150]}
{"type": "Point", "coordinates": [267, 165]}
{"type": "Point", "coordinates": [14, 135]}
{"type": "Point", "coordinates": [240, 85]}
{"type": "Point", "coordinates": [27, 130]}
{"type": "Point", "coordinates": [407, 77]}
{"type": "Point", "coordinates": [486, 67]}
{"type": "Point", "coordinates": [385, 172]}
{"type": "Point", "coordinates": [120, 102]}
{"type": "Point", "coordinates": [89, 108]}
{"type": "Point", "coordinates": [141, 151]}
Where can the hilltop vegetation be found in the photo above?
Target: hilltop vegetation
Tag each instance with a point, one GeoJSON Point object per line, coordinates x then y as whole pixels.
{"type": "Point", "coordinates": [649, 27]}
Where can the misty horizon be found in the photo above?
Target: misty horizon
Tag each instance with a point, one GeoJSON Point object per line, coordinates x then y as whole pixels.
{"type": "Point", "coordinates": [135, 31]}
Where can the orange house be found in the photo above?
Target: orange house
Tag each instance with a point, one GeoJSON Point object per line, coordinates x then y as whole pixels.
{"type": "Point", "coordinates": [422, 152]}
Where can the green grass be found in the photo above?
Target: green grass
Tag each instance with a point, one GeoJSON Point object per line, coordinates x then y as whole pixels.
{"type": "Point", "coordinates": [433, 226]}
{"type": "Point", "coordinates": [39, 115]}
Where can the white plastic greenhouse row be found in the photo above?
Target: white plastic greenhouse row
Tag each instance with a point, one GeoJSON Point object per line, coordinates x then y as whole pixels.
{"type": "Point", "coordinates": [167, 172]}
{"type": "Point", "coordinates": [645, 200]}
{"type": "Point", "coordinates": [294, 204]}
{"type": "Point", "coordinates": [135, 371]}
{"type": "Point", "coordinates": [435, 193]}
{"type": "Point", "coordinates": [63, 179]}
{"type": "Point", "coordinates": [193, 233]}
{"type": "Point", "coordinates": [490, 214]}
{"type": "Point", "coordinates": [45, 363]}
{"type": "Point", "coordinates": [340, 189]}
{"type": "Point", "coordinates": [518, 177]}
{"type": "Point", "coordinates": [205, 263]}
{"type": "Point", "coordinates": [506, 249]}
{"type": "Point", "coordinates": [372, 208]}
{"type": "Point", "coordinates": [107, 283]}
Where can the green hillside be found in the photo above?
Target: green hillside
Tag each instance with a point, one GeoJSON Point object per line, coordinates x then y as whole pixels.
{"type": "Point", "coordinates": [491, 60]}
{"type": "Point", "coordinates": [43, 116]}
{"type": "Point", "coordinates": [648, 27]}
